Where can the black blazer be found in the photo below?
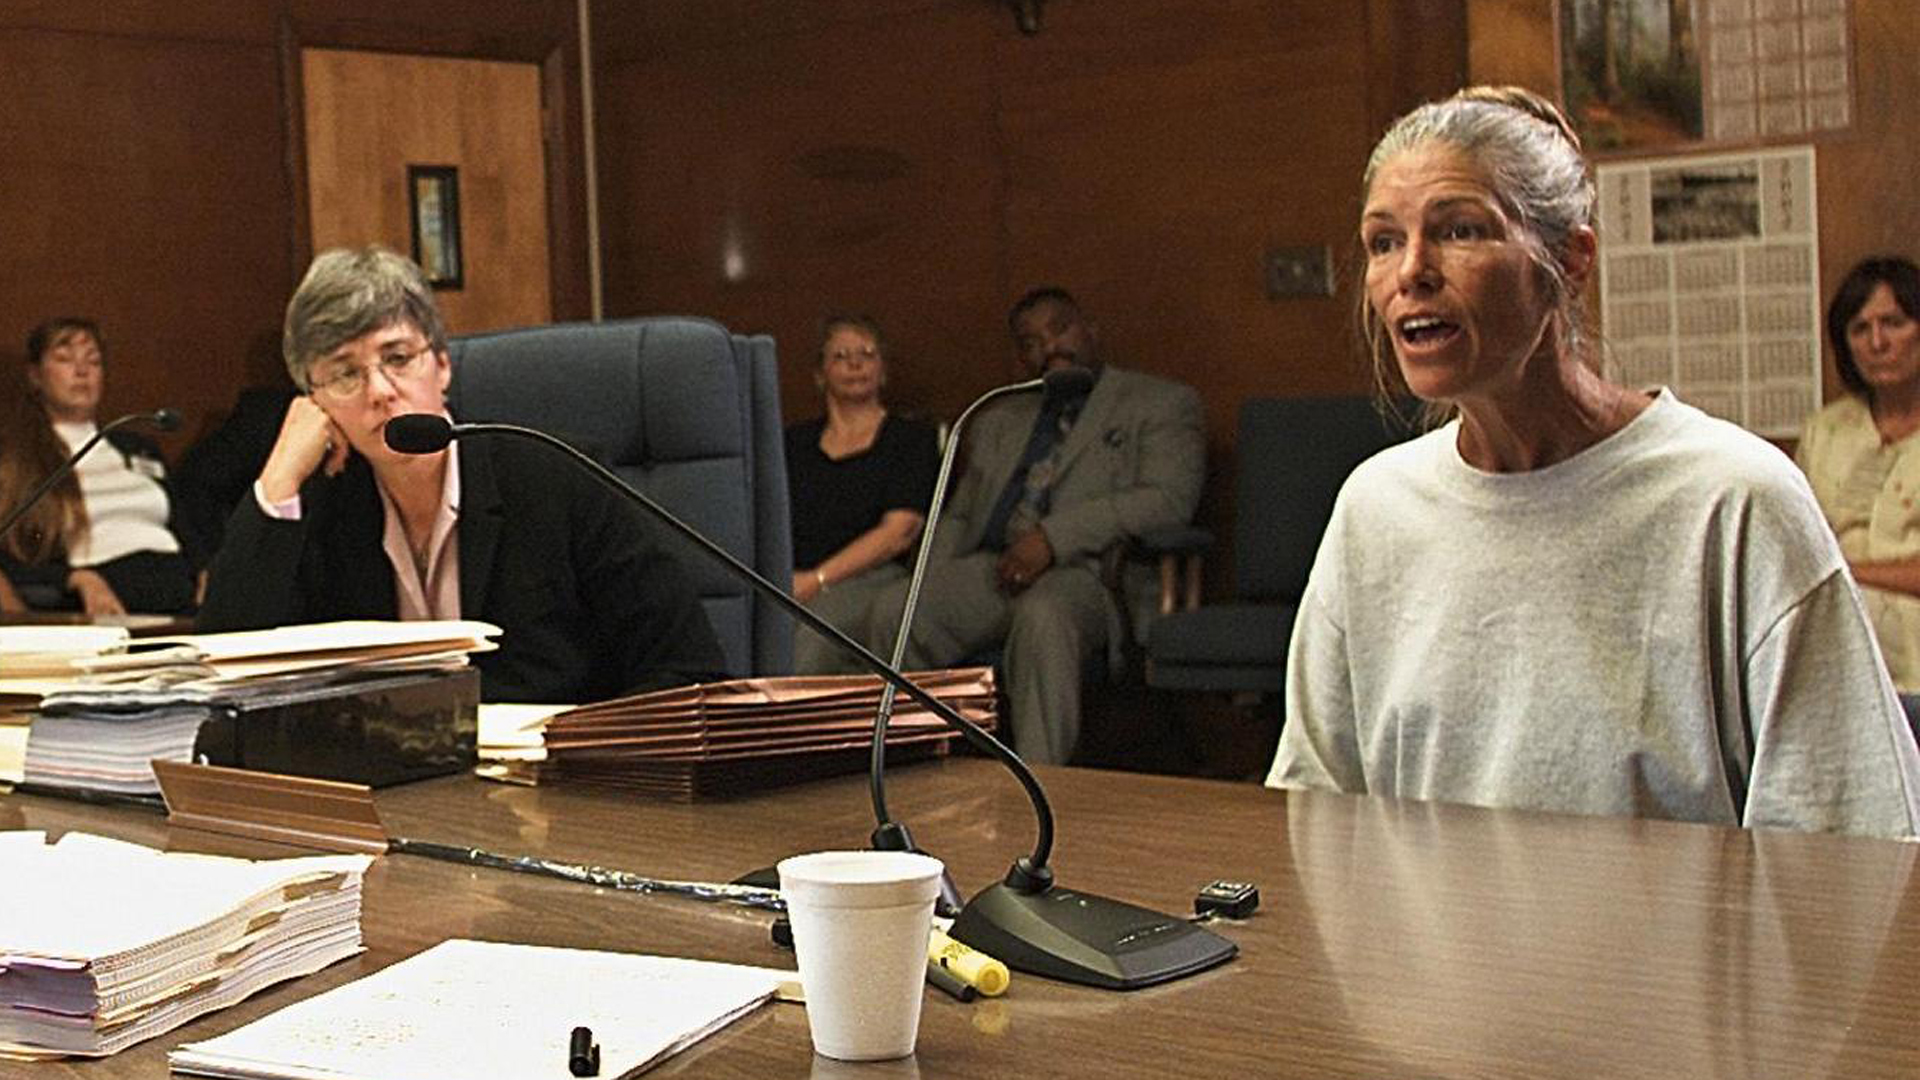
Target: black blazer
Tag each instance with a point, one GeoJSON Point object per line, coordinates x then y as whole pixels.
{"type": "Point", "coordinates": [589, 605]}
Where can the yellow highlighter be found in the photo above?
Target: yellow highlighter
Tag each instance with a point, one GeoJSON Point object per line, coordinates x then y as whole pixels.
{"type": "Point", "coordinates": [975, 968]}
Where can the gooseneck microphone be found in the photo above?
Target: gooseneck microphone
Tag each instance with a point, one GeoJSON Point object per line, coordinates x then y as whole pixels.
{"type": "Point", "coordinates": [888, 834]}
{"type": "Point", "coordinates": [1023, 920]}
{"type": "Point", "coordinates": [158, 419]}
{"type": "Point", "coordinates": [426, 433]}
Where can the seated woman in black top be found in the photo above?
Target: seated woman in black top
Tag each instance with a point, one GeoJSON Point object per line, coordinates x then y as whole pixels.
{"type": "Point", "coordinates": [860, 480]}
{"type": "Point", "coordinates": [102, 540]}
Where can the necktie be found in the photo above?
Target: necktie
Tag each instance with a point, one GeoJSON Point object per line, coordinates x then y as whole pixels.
{"type": "Point", "coordinates": [1055, 419]}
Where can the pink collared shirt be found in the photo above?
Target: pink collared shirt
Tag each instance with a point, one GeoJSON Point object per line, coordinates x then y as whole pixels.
{"type": "Point", "coordinates": [429, 591]}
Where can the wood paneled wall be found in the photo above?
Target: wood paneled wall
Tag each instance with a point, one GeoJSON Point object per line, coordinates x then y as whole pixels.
{"type": "Point", "coordinates": [150, 171]}
{"type": "Point", "coordinates": [763, 163]}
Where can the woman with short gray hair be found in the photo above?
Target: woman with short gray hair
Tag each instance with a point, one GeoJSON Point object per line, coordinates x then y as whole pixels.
{"type": "Point", "coordinates": [507, 532]}
{"type": "Point", "coordinates": [1570, 595]}
{"type": "Point", "coordinates": [348, 292]}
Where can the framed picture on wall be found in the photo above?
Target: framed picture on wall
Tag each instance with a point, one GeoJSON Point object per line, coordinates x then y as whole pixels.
{"type": "Point", "coordinates": [1641, 75]}
{"type": "Point", "coordinates": [433, 197]}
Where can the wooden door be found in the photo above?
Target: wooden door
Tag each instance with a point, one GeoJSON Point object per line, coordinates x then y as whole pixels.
{"type": "Point", "coordinates": [370, 115]}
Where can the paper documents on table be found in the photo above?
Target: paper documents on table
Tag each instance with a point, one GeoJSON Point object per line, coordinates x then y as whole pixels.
{"type": "Point", "coordinates": [255, 653]}
{"type": "Point", "coordinates": [104, 943]}
{"type": "Point", "coordinates": [480, 1010]}
{"type": "Point", "coordinates": [512, 741]}
{"type": "Point", "coordinates": [14, 726]}
{"type": "Point", "coordinates": [103, 707]}
{"type": "Point", "coordinates": [39, 665]}
{"type": "Point", "coordinates": [510, 732]}
{"type": "Point", "coordinates": [28, 651]}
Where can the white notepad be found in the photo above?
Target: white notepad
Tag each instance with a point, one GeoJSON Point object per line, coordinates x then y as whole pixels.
{"type": "Point", "coordinates": [481, 1010]}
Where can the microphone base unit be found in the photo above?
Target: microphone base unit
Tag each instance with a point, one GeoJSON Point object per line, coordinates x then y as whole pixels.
{"type": "Point", "coordinates": [1082, 938]}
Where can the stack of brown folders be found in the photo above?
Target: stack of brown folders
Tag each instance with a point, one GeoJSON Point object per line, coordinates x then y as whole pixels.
{"type": "Point", "coordinates": [730, 738]}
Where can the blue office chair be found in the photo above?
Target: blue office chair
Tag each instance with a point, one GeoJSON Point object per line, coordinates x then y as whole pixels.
{"type": "Point", "coordinates": [1294, 454]}
{"type": "Point", "coordinates": [687, 413]}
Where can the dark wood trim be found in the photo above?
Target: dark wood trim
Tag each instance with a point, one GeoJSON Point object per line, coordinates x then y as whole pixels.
{"type": "Point", "coordinates": [293, 99]}
{"type": "Point", "coordinates": [561, 116]}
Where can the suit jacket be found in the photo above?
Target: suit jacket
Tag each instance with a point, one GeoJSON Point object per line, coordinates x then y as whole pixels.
{"type": "Point", "coordinates": [589, 605]}
{"type": "Point", "coordinates": [1133, 461]}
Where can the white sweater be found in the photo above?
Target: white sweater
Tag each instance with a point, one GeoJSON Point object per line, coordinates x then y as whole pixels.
{"type": "Point", "coordinates": [126, 506]}
{"type": "Point", "coordinates": [1659, 626]}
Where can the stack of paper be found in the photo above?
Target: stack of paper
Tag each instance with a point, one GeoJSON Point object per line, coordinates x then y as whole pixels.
{"type": "Point", "coordinates": [30, 654]}
{"type": "Point", "coordinates": [104, 943]}
{"type": "Point", "coordinates": [38, 651]}
{"type": "Point", "coordinates": [482, 1010]}
{"type": "Point", "coordinates": [731, 737]}
{"type": "Point", "coordinates": [512, 740]}
{"type": "Point", "coordinates": [101, 710]}
{"type": "Point", "coordinates": [30, 666]}
{"type": "Point", "coordinates": [110, 749]}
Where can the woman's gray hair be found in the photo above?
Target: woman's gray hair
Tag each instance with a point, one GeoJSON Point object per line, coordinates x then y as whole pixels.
{"type": "Point", "coordinates": [1533, 161]}
{"type": "Point", "coordinates": [349, 292]}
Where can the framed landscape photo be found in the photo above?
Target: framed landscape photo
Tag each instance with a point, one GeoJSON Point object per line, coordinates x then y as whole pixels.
{"type": "Point", "coordinates": [433, 197]}
{"type": "Point", "coordinates": [1665, 75]}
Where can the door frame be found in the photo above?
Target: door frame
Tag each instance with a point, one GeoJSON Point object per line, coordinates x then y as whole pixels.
{"type": "Point", "coordinates": [561, 136]}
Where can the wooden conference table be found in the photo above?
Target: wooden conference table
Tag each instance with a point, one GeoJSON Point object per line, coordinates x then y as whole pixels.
{"type": "Point", "coordinates": [1394, 939]}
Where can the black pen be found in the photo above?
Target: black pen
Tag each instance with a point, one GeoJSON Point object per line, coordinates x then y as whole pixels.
{"type": "Point", "coordinates": [951, 983]}
{"type": "Point", "coordinates": [583, 1054]}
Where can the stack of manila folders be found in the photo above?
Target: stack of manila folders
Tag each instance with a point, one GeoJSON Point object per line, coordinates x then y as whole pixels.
{"type": "Point", "coordinates": [104, 944]}
{"type": "Point", "coordinates": [88, 707]}
{"type": "Point", "coordinates": [85, 972]}
{"type": "Point", "coordinates": [720, 739]}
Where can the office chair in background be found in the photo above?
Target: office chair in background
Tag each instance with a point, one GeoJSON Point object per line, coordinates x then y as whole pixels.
{"type": "Point", "coordinates": [683, 410]}
{"type": "Point", "coordinates": [1294, 454]}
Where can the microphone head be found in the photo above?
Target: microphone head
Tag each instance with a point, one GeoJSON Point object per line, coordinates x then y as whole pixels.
{"type": "Point", "coordinates": [418, 433]}
{"type": "Point", "coordinates": [1068, 382]}
{"type": "Point", "coordinates": [164, 419]}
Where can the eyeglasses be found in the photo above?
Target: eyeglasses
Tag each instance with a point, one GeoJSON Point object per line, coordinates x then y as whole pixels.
{"type": "Point", "coordinates": [396, 364]}
{"type": "Point", "coordinates": [848, 356]}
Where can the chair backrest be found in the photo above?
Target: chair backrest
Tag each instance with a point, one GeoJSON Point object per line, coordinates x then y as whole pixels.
{"type": "Point", "coordinates": [1294, 454]}
{"type": "Point", "coordinates": [687, 413]}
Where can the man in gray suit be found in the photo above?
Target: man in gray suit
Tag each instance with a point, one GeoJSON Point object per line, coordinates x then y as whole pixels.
{"type": "Point", "coordinates": [1051, 484]}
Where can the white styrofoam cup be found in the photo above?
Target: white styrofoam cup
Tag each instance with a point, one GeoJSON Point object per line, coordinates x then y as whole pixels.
{"type": "Point", "coordinates": [860, 926]}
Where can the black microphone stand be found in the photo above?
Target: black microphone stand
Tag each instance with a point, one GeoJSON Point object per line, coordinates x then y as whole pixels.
{"type": "Point", "coordinates": [425, 433]}
{"type": "Point", "coordinates": [888, 834]}
{"type": "Point", "coordinates": [164, 419]}
{"type": "Point", "coordinates": [1024, 920]}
